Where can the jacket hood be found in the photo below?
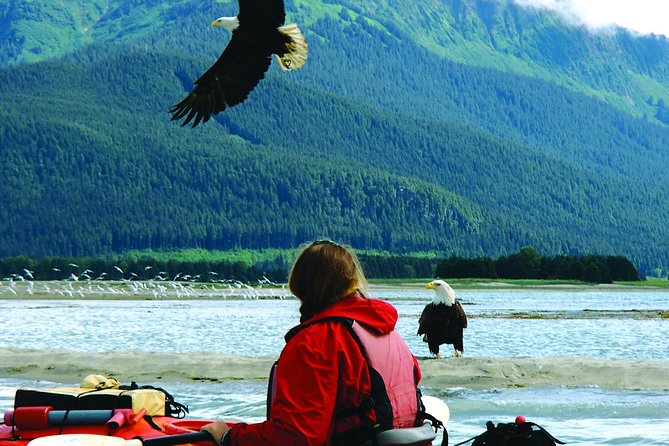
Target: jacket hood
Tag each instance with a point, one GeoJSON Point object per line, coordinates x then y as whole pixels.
{"type": "Point", "coordinates": [374, 314]}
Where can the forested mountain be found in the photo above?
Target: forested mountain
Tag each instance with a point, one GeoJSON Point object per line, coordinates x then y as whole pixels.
{"type": "Point", "coordinates": [463, 127]}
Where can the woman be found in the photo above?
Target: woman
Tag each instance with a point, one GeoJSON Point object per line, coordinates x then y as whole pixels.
{"type": "Point", "coordinates": [321, 386]}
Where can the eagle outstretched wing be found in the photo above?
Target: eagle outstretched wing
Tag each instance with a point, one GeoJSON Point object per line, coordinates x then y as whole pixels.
{"type": "Point", "coordinates": [228, 82]}
{"type": "Point", "coordinates": [258, 32]}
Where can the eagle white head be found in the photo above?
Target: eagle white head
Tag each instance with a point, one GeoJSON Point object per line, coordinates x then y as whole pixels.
{"type": "Point", "coordinates": [443, 293]}
{"type": "Point", "coordinates": [229, 23]}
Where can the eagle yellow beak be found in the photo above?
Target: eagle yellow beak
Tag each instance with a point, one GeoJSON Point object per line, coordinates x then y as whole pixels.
{"type": "Point", "coordinates": [215, 23]}
{"type": "Point", "coordinates": [429, 286]}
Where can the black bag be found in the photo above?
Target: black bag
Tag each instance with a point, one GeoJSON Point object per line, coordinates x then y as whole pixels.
{"type": "Point", "coordinates": [514, 434]}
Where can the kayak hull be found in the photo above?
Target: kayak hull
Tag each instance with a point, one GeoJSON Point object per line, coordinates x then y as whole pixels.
{"type": "Point", "coordinates": [158, 427]}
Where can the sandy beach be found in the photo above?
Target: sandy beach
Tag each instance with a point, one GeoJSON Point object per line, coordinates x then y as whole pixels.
{"type": "Point", "coordinates": [69, 367]}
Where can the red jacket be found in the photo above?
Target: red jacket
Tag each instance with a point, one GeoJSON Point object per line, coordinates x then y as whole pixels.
{"type": "Point", "coordinates": [320, 372]}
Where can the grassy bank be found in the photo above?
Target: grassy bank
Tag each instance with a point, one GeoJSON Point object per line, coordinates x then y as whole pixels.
{"type": "Point", "coordinates": [522, 283]}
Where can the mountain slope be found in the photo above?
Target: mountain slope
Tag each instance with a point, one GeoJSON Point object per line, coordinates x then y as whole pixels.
{"type": "Point", "coordinates": [105, 175]}
{"type": "Point", "coordinates": [382, 140]}
{"type": "Point", "coordinates": [114, 174]}
{"type": "Point", "coordinates": [617, 67]}
{"type": "Point", "coordinates": [629, 72]}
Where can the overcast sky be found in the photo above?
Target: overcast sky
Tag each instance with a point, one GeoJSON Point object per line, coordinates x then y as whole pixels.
{"type": "Point", "coordinates": [642, 16]}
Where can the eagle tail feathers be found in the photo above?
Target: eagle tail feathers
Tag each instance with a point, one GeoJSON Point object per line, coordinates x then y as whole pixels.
{"type": "Point", "coordinates": [296, 55]}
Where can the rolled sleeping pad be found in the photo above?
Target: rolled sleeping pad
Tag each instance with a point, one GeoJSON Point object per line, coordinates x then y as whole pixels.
{"type": "Point", "coordinates": [41, 417]}
{"type": "Point", "coordinates": [35, 417]}
{"type": "Point", "coordinates": [80, 417]}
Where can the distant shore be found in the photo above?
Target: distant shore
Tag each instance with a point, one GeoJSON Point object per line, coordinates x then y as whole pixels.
{"type": "Point", "coordinates": [140, 290]}
{"type": "Point", "coordinates": [525, 284]}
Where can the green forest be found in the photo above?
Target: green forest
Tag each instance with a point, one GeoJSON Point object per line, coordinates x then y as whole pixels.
{"type": "Point", "coordinates": [431, 157]}
{"type": "Point", "coordinates": [201, 266]}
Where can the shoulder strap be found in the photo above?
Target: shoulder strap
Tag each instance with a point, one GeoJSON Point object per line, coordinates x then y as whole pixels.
{"type": "Point", "coordinates": [378, 398]}
{"type": "Point", "coordinates": [270, 390]}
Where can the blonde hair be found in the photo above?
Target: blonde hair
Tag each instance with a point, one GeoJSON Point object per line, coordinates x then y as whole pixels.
{"type": "Point", "coordinates": [324, 272]}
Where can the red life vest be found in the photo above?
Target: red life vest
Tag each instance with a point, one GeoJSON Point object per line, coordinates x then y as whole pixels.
{"type": "Point", "coordinates": [390, 356]}
{"type": "Point", "coordinates": [394, 402]}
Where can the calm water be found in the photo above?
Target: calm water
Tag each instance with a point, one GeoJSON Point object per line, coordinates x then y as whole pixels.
{"type": "Point", "coordinates": [601, 324]}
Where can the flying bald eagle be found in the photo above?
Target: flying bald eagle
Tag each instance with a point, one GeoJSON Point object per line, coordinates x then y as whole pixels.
{"type": "Point", "coordinates": [443, 319]}
{"type": "Point", "coordinates": [258, 31]}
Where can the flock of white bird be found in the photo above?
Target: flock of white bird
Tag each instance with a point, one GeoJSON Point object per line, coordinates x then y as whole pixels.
{"type": "Point", "coordinates": [180, 287]}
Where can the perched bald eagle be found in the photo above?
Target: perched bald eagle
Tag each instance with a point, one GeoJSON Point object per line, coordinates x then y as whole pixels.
{"type": "Point", "coordinates": [258, 31]}
{"type": "Point", "coordinates": [443, 320]}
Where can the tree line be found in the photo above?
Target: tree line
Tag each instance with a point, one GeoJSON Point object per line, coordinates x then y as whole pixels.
{"type": "Point", "coordinates": [525, 264]}
{"type": "Point", "coordinates": [528, 264]}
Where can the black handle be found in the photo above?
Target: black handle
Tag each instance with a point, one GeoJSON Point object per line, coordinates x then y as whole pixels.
{"type": "Point", "coordinates": [178, 439]}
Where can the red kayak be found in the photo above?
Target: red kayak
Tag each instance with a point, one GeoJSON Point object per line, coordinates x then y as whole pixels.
{"type": "Point", "coordinates": [104, 413]}
{"type": "Point", "coordinates": [100, 413]}
{"type": "Point", "coordinates": [172, 431]}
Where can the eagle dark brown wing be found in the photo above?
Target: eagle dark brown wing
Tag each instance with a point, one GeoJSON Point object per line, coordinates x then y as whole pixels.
{"type": "Point", "coordinates": [228, 82]}
{"type": "Point", "coordinates": [423, 322]}
{"type": "Point", "coordinates": [442, 322]}
{"type": "Point", "coordinates": [461, 316]}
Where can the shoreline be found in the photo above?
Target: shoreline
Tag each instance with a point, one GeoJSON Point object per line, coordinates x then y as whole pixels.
{"type": "Point", "coordinates": [70, 367]}
{"type": "Point", "coordinates": [156, 290]}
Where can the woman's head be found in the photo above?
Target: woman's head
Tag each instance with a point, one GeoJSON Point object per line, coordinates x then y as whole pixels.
{"type": "Point", "coordinates": [323, 273]}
